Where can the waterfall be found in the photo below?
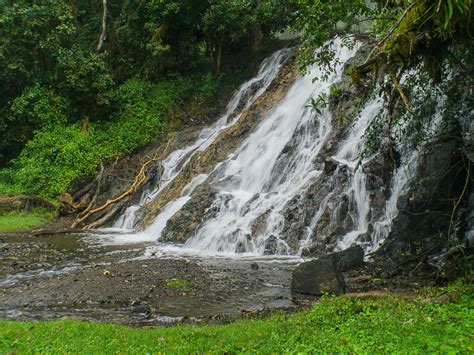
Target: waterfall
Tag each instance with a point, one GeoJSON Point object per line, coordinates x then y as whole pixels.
{"type": "Point", "coordinates": [248, 93]}
{"type": "Point", "coordinates": [260, 178]}
{"type": "Point", "coordinates": [273, 169]}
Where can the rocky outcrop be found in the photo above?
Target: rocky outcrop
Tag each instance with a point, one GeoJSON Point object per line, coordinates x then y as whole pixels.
{"type": "Point", "coordinates": [186, 221]}
{"type": "Point", "coordinates": [349, 259]}
{"type": "Point", "coordinates": [427, 214]}
{"type": "Point", "coordinates": [318, 277]}
{"type": "Point", "coordinates": [468, 139]}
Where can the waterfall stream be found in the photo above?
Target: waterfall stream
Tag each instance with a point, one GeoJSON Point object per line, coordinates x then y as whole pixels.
{"type": "Point", "coordinates": [271, 168]}
{"type": "Point", "coordinates": [174, 163]}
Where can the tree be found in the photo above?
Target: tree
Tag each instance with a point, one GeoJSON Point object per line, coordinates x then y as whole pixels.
{"type": "Point", "coordinates": [229, 22]}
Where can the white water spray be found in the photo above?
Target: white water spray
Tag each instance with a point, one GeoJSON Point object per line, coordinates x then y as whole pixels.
{"type": "Point", "coordinates": [177, 160]}
{"type": "Point", "coordinates": [272, 165]}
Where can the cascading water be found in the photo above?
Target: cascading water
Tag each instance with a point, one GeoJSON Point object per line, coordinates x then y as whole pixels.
{"type": "Point", "coordinates": [349, 155]}
{"type": "Point", "coordinates": [174, 163]}
{"type": "Point", "coordinates": [261, 177]}
{"type": "Point", "coordinates": [273, 167]}
{"type": "Point", "coordinates": [403, 175]}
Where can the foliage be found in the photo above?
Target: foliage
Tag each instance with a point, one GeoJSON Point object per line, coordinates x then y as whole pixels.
{"type": "Point", "coordinates": [54, 158]}
{"type": "Point", "coordinates": [19, 221]}
{"type": "Point", "coordinates": [227, 23]}
{"type": "Point", "coordinates": [320, 20]}
{"type": "Point", "coordinates": [422, 43]}
{"type": "Point", "coordinates": [438, 320]}
{"type": "Point", "coordinates": [65, 107]}
{"type": "Point", "coordinates": [59, 154]}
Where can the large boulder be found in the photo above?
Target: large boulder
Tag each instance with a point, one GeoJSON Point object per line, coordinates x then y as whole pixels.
{"type": "Point", "coordinates": [317, 277]}
{"type": "Point", "coordinates": [349, 259]}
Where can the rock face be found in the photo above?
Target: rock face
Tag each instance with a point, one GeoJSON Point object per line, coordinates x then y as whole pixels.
{"type": "Point", "coordinates": [317, 277]}
{"type": "Point", "coordinates": [186, 221]}
{"type": "Point", "coordinates": [349, 259]}
{"type": "Point", "coordinates": [425, 210]}
{"type": "Point", "coordinates": [468, 138]}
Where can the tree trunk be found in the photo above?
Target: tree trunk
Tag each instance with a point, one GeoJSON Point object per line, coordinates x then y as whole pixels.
{"type": "Point", "coordinates": [256, 38]}
{"type": "Point", "coordinates": [216, 51]}
{"type": "Point", "coordinates": [103, 35]}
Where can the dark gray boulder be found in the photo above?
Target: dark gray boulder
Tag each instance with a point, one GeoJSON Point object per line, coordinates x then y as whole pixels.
{"type": "Point", "coordinates": [349, 259]}
{"type": "Point", "coordinates": [317, 277]}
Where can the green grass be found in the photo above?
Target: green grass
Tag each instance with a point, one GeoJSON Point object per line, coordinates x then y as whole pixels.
{"type": "Point", "coordinates": [178, 284]}
{"type": "Point", "coordinates": [438, 321]}
{"type": "Point", "coordinates": [18, 221]}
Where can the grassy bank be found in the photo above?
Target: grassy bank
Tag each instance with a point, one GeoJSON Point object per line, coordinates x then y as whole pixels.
{"type": "Point", "coordinates": [19, 221]}
{"type": "Point", "coordinates": [438, 320]}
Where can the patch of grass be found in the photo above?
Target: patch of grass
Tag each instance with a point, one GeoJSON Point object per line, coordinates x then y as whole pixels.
{"type": "Point", "coordinates": [432, 322]}
{"type": "Point", "coordinates": [18, 221]}
{"type": "Point", "coordinates": [178, 284]}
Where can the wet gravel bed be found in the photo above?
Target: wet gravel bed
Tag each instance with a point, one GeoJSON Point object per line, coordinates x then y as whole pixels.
{"type": "Point", "coordinates": [62, 276]}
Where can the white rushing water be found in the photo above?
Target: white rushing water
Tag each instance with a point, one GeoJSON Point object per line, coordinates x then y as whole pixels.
{"type": "Point", "coordinates": [260, 178]}
{"type": "Point", "coordinates": [270, 168]}
{"type": "Point", "coordinates": [248, 93]}
{"type": "Point", "coordinates": [349, 155]}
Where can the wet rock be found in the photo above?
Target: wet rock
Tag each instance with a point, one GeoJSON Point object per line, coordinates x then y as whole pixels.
{"type": "Point", "coordinates": [142, 310]}
{"type": "Point", "coordinates": [425, 210]}
{"type": "Point", "coordinates": [330, 165]}
{"type": "Point", "coordinates": [186, 221]}
{"type": "Point", "coordinates": [271, 245]}
{"type": "Point", "coordinates": [318, 277]}
{"type": "Point", "coordinates": [254, 266]}
{"type": "Point", "coordinates": [349, 259]}
{"type": "Point", "coordinates": [259, 225]}
{"type": "Point", "coordinates": [313, 250]}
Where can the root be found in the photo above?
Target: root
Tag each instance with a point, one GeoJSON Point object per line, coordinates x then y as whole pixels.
{"type": "Point", "coordinates": [140, 180]}
{"type": "Point", "coordinates": [458, 202]}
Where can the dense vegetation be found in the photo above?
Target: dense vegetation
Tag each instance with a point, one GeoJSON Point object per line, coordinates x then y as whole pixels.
{"type": "Point", "coordinates": [421, 51]}
{"type": "Point", "coordinates": [435, 320]}
{"type": "Point", "coordinates": [81, 82]}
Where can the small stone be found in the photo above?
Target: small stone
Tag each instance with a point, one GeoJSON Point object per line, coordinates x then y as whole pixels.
{"type": "Point", "coordinates": [254, 266]}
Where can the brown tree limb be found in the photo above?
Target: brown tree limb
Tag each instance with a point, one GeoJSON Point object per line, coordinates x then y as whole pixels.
{"type": "Point", "coordinates": [401, 92]}
{"type": "Point", "coordinates": [458, 202]}
{"type": "Point", "coordinates": [390, 32]}
{"type": "Point", "coordinates": [139, 181]}
{"type": "Point", "coordinates": [106, 218]}
{"type": "Point", "coordinates": [84, 213]}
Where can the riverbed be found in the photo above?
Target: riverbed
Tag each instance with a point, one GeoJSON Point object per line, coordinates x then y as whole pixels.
{"type": "Point", "coordinates": [52, 277]}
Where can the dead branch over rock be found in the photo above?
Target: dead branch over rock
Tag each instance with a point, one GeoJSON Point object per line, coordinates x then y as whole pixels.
{"type": "Point", "coordinates": [140, 180]}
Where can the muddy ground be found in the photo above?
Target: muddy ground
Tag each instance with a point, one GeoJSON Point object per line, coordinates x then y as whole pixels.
{"type": "Point", "coordinates": [52, 277]}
